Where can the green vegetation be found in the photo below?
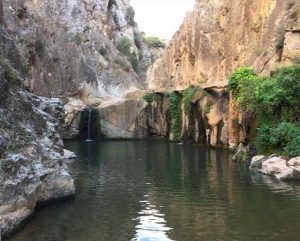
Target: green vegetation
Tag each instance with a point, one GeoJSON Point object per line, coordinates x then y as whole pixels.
{"type": "Point", "coordinates": [242, 83]}
{"type": "Point", "coordinates": [134, 62]}
{"type": "Point", "coordinates": [130, 16]}
{"type": "Point", "coordinates": [282, 138]}
{"type": "Point", "coordinates": [154, 42]}
{"type": "Point", "coordinates": [124, 46]}
{"type": "Point", "coordinates": [149, 97]}
{"type": "Point", "coordinates": [10, 73]}
{"type": "Point", "coordinates": [40, 48]}
{"type": "Point", "coordinates": [174, 100]}
{"type": "Point", "coordinates": [123, 63]}
{"type": "Point", "coordinates": [78, 38]}
{"type": "Point", "coordinates": [207, 109]}
{"type": "Point", "coordinates": [187, 99]}
{"type": "Point", "coordinates": [138, 40]}
{"type": "Point", "coordinates": [276, 101]}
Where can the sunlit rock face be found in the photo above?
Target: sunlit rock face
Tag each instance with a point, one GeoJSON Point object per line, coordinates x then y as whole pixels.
{"type": "Point", "coordinates": [219, 36]}
{"type": "Point", "coordinates": [31, 155]}
{"type": "Point", "coordinates": [70, 46]}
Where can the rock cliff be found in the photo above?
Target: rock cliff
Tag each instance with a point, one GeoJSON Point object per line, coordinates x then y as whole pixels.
{"type": "Point", "coordinates": [88, 53]}
{"type": "Point", "coordinates": [219, 36]}
{"type": "Point", "coordinates": [71, 46]}
{"type": "Point", "coordinates": [31, 162]}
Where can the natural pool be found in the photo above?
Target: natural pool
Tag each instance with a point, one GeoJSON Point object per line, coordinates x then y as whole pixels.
{"type": "Point", "coordinates": [156, 190]}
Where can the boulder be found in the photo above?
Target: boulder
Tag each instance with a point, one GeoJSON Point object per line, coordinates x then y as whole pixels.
{"type": "Point", "coordinates": [294, 163]}
{"type": "Point", "coordinates": [256, 162]}
{"type": "Point", "coordinates": [69, 154]}
{"type": "Point", "coordinates": [278, 168]}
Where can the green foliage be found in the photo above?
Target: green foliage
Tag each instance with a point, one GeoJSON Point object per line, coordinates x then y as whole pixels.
{"type": "Point", "coordinates": [138, 40]}
{"type": "Point", "coordinates": [187, 99]}
{"type": "Point", "coordinates": [124, 46]}
{"type": "Point", "coordinates": [207, 109]}
{"type": "Point", "coordinates": [40, 48]}
{"type": "Point", "coordinates": [24, 70]}
{"type": "Point", "coordinates": [149, 97]}
{"type": "Point", "coordinates": [242, 84]}
{"type": "Point", "coordinates": [123, 63]}
{"type": "Point", "coordinates": [174, 100]}
{"type": "Point", "coordinates": [78, 39]}
{"type": "Point", "coordinates": [279, 95]}
{"type": "Point", "coordinates": [283, 138]}
{"type": "Point", "coordinates": [130, 16]}
{"type": "Point", "coordinates": [134, 62]}
{"type": "Point", "coordinates": [10, 73]}
{"type": "Point", "coordinates": [276, 100]}
{"type": "Point", "coordinates": [154, 42]}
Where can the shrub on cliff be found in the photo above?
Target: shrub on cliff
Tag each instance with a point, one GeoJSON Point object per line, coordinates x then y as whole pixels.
{"type": "Point", "coordinates": [124, 46]}
{"type": "Point", "coordinates": [154, 42]}
{"type": "Point", "coordinates": [242, 84]}
{"type": "Point", "coordinates": [276, 101]}
{"type": "Point", "coordinates": [149, 97]}
{"type": "Point", "coordinates": [130, 16]}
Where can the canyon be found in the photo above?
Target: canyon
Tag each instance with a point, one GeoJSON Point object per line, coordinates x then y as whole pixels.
{"type": "Point", "coordinates": [62, 58]}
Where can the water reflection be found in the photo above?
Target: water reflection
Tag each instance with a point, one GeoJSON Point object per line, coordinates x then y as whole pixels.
{"type": "Point", "coordinates": [161, 191]}
{"type": "Point", "coordinates": [152, 224]}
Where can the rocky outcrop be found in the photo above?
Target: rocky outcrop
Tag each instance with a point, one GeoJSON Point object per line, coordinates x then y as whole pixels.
{"type": "Point", "coordinates": [219, 36]}
{"type": "Point", "coordinates": [277, 167]}
{"type": "Point", "coordinates": [31, 166]}
{"type": "Point", "coordinates": [206, 121]}
{"type": "Point", "coordinates": [74, 45]}
{"type": "Point", "coordinates": [114, 118]}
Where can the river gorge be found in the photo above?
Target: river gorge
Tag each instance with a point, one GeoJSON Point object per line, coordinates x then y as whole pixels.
{"type": "Point", "coordinates": [192, 138]}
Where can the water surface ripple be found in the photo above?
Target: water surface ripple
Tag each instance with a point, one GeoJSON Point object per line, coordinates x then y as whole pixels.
{"type": "Point", "coordinates": [160, 191]}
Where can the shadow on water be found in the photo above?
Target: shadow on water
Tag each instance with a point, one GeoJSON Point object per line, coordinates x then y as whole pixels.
{"type": "Point", "coordinates": [156, 190]}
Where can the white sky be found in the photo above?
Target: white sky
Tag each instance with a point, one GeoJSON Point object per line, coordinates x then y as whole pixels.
{"type": "Point", "coordinates": [160, 18]}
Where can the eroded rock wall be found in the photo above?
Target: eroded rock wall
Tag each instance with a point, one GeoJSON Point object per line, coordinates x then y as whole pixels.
{"type": "Point", "coordinates": [206, 123]}
{"type": "Point", "coordinates": [219, 36]}
{"type": "Point", "coordinates": [31, 163]}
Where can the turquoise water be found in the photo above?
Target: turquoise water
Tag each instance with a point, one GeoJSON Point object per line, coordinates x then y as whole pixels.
{"type": "Point", "coordinates": [161, 191]}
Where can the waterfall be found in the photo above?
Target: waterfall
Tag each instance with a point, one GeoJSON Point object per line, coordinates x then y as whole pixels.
{"type": "Point", "coordinates": [89, 138]}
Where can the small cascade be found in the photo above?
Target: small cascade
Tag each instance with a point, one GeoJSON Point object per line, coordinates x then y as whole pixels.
{"type": "Point", "coordinates": [89, 137]}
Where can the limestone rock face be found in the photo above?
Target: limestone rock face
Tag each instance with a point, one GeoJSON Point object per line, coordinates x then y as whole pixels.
{"type": "Point", "coordinates": [219, 36]}
{"type": "Point", "coordinates": [31, 166]}
{"type": "Point", "coordinates": [115, 117]}
{"type": "Point", "coordinates": [206, 123]}
{"type": "Point", "coordinates": [71, 46]}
